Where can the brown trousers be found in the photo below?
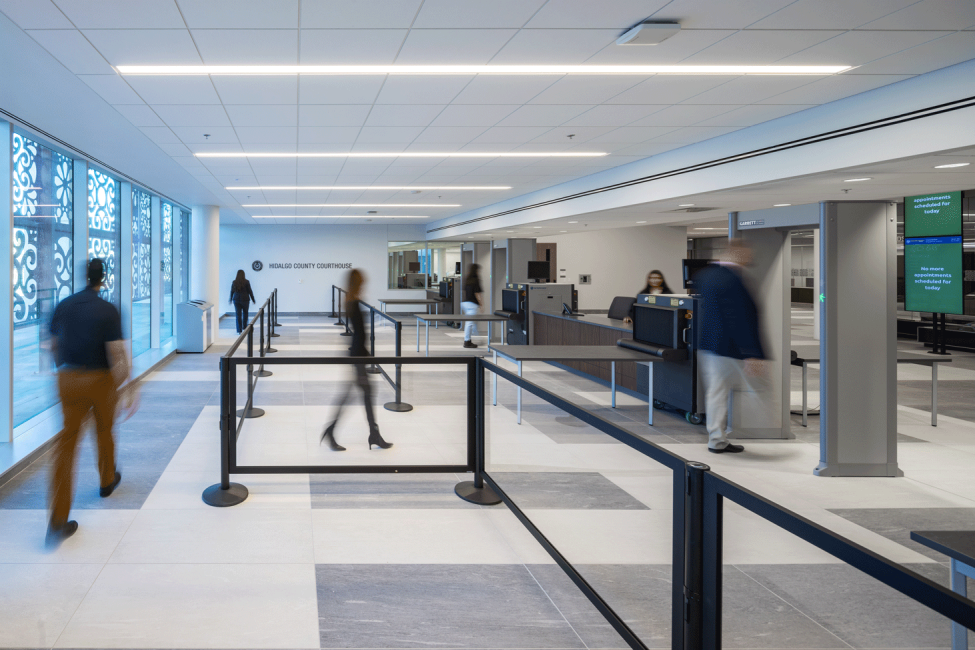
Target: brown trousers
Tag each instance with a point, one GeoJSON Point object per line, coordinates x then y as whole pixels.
{"type": "Point", "coordinates": [82, 391]}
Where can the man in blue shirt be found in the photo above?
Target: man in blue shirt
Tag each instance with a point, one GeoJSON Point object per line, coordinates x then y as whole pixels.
{"type": "Point", "coordinates": [731, 351]}
{"type": "Point", "coordinates": [92, 364]}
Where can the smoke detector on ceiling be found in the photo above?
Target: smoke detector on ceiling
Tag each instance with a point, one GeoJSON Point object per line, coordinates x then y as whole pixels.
{"type": "Point", "coordinates": [648, 34]}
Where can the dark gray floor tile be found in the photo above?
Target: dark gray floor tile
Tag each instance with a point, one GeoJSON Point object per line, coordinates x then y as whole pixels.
{"type": "Point", "coordinates": [850, 605]}
{"type": "Point", "coordinates": [568, 490]}
{"type": "Point", "coordinates": [455, 606]}
{"type": "Point", "coordinates": [30, 490]}
{"type": "Point", "coordinates": [897, 523]}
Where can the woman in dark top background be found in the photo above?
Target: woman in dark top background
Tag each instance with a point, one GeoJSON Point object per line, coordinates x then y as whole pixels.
{"type": "Point", "coordinates": [655, 285]}
{"type": "Point", "coordinates": [471, 303]}
{"type": "Point", "coordinates": [353, 316]}
{"type": "Point", "coordinates": [241, 295]}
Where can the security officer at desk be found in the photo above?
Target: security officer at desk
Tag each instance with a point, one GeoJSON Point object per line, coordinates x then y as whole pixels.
{"type": "Point", "coordinates": [656, 284]}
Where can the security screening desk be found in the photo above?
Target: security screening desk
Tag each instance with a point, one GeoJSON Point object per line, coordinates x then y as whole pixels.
{"type": "Point", "coordinates": [439, 318]}
{"type": "Point", "coordinates": [959, 546]}
{"type": "Point", "coordinates": [804, 355]}
{"type": "Point", "coordinates": [561, 353]}
{"type": "Point", "coordinates": [383, 302]}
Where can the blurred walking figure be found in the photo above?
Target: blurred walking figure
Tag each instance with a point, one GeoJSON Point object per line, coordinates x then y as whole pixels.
{"type": "Point", "coordinates": [471, 303]}
{"type": "Point", "coordinates": [353, 316]}
{"type": "Point", "coordinates": [92, 364]}
{"type": "Point", "coordinates": [241, 295]}
{"type": "Point", "coordinates": [731, 351]}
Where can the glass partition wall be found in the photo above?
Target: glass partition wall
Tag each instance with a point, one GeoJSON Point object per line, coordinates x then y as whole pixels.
{"type": "Point", "coordinates": [104, 233]}
{"type": "Point", "coordinates": [141, 271]}
{"type": "Point", "coordinates": [421, 265]}
{"type": "Point", "coordinates": [166, 316]}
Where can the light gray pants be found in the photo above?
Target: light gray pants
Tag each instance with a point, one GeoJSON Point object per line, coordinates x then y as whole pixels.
{"type": "Point", "coordinates": [721, 376]}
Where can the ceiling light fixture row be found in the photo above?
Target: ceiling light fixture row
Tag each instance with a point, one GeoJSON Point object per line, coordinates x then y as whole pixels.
{"type": "Point", "coordinates": [338, 216]}
{"type": "Point", "coordinates": [427, 70]}
{"type": "Point", "coordinates": [368, 187]}
{"type": "Point", "coordinates": [410, 154]}
{"type": "Point", "coordinates": [858, 180]}
{"type": "Point", "coordinates": [350, 205]}
{"type": "Point", "coordinates": [952, 165]}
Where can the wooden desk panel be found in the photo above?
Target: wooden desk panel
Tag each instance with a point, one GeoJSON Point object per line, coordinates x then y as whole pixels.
{"type": "Point", "coordinates": [551, 330]}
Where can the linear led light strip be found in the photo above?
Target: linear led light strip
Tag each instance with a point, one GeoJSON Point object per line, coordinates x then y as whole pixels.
{"type": "Point", "coordinates": [410, 154]}
{"type": "Point", "coordinates": [338, 216]}
{"type": "Point", "coordinates": [479, 69]}
{"type": "Point", "coordinates": [368, 187]}
{"type": "Point", "coordinates": [350, 205]}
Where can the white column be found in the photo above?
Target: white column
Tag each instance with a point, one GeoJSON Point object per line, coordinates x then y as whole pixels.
{"type": "Point", "coordinates": [815, 283]}
{"type": "Point", "coordinates": [155, 272]}
{"type": "Point", "coordinates": [6, 281]}
{"type": "Point", "coordinates": [205, 259]}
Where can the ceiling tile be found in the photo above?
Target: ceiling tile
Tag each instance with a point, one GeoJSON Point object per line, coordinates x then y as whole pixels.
{"type": "Point", "coordinates": [560, 134]}
{"type": "Point", "coordinates": [350, 46]}
{"type": "Point", "coordinates": [614, 115]}
{"type": "Point", "coordinates": [324, 89]}
{"type": "Point", "coordinates": [553, 46]}
{"type": "Point", "coordinates": [510, 134]}
{"type": "Point", "coordinates": [619, 14]}
{"type": "Point", "coordinates": [267, 134]}
{"type": "Point", "coordinates": [674, 50]}
{"type": "Point", "coordinates": [691, 134]}
{"type": "Point", "coordinates": [468, 115]}
{"type": "Point", "coordinates": [73, 50]}
{"type": "Point", "coordinates": [859, 47]}
{"type": "Point", "coordinates": [586, 89]}
{"type": "Point", "coordinates": [131, 14]}
{"type": "Point", "coordinates": [461, 14]}
{"type": "Point", "coordinates": [175, 149]}
{"type": "Point", "coordinates": [173, 90]}
{"type": "Point", "coordinates": [160, 134]}
{"type": "Point", "coordinates": [461, 46]}
{"type": "Point", "coordinates": [667, 89]}
{"type": "Point", "coordinates": [245, 14]}
{"type": "Point", "coordinates": [256, 90]}
{"type": "Point", "coordinates": [830, 14]}
{"type": "Point", "coordinates": [421, 90]}
{"type": "Point", "coordinates": [685, 114]}
{"type": "Point", "coordinates": [633, 134]}
{"type": "Point", "coordinates": [197, 135]}
{"type": "Point", "coordinates": [408, 115]}
{"type": "Point", "coordinates": [333, 115]}
{"type": "Point", "coordinates": [193, 115]}
{"type": "Point", "coordinates": [708, 14]}
{"type": "Point", "coordinates": [503, 90]}
{"type": "Point", "coordinates": [111, 87]}
{"type": "Point", "coordinates": [750, 89]}
{"type": "Point", "coordinates": [145, 46]}
{"type": "Point", "coordinates": [358, 15]}
{"type": "Point", "coordinates": [35, 14]}
{"type": "Point", "coordinates": [759, 47]}
{"type": "Point", "coordinates": [832, 88]}
{"type": "Point", "coordinates": [458, 135]}
{"type": "Point", "coordinates": [389, 133]}
{"type": "Point", "coordinates": [751, 115]}
{"type": "Point", "coordinates": [933, 55]}
{"type": "Point", "coordinates": [930, 14]}
{"type": "Point", "coordinates": [247, 46]}
{"type": "Point", "coordinates": [139, 114]}
{"type": "Point", "coordinates": [540, 115]}
{"type": "Point", "coordinates": [263, 115]}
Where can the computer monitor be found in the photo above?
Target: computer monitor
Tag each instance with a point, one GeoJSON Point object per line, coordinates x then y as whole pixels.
{"type": "Point", "coordinates": [456, 268]}
{"type": "Point", "coordinates": [690, 268]}
{"type": "Point", "coordinates": [414, 267]}
{"type": "Point", "coordinates": [538, 270]}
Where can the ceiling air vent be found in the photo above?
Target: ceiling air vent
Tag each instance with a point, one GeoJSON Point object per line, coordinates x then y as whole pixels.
{"type": "Point", "coordinates": [693, 209]}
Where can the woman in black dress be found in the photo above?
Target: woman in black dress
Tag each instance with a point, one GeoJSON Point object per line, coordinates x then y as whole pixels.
{"type": "Point", "coordinates": [353, 316]}
{"type": "Point", "coordinates": [241, 295]}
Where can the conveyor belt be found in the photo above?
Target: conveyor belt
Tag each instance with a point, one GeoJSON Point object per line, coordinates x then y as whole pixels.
{"type": "Point", "coordinates": [665, 353]}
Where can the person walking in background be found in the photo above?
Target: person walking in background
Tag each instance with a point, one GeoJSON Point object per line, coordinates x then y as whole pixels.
{"type": "Point", "coordinates": [241, 295]}
{"type": "Point", "coordinates": [731, 351]}
{"type": "Point", "coordinates": [353, 316]}
{"type": "Point", "coordinates": [471, 303]}
{"type": "Point", "coordinates": [92, 364]}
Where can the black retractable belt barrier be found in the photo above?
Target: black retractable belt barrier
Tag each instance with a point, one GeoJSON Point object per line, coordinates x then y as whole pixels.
{"type": "Point", "coordinates": [261, 372]}
{"type": "Point", "coordinates": [398, 404]}
{"type": "Point", "coordinates": [273, 316]}
{"type": "Point", "coordinates": [249, 411]}
{"type": "Point", "coordinates": [269, 349]}
{"type": "Point", "coordinates": [372, 368]}
{"type": "Point", "coordinates": [275, 320]}
{"type": "Point", "coordinates": [225, 493]}
{"type": "Point", "coordinates": [334, 314]}
{"type": "Point", "coordinates": [475, 491]}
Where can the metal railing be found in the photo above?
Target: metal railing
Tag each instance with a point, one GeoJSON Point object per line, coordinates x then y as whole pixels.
{"type": "Point", "coordinates": [338, 314]}
{"type": "Point", "coordinates": [397, 404]}
{"type": "Point", "coordinates": [697, 519]}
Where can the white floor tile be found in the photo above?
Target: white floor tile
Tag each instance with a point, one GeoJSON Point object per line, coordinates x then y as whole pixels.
{"type": "Point", "coordinates": [37, 601]}
{"type": "Point", "coordinates": [184, 490]}
{"type": "Point", "coordinates": [22, 534]}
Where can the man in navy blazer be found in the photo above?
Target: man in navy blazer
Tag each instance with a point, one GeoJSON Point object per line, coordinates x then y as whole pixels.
{"type": "Point", "coordinates": [730, 344]}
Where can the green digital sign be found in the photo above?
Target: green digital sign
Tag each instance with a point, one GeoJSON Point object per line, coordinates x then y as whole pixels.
{"type": "Point", "coordinates": [933, 274]}
{"type": "Point", "coordinates": [932, 215]}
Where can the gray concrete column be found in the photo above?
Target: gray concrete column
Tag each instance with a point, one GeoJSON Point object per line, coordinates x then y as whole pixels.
{"type": "Point", "coordinates": [858, 344]}
{"type": "Point", "coordinates": [6, 281]}
{"type": "Point", "coordinates": [205, 259]}
{"type": "Point", "coordinates": [732, 225]}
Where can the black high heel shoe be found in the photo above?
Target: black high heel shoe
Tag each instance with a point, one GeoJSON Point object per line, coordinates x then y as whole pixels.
{"type": "Point", "coordinates": [376, 439]}
{"type": "Point", "coordinates": [329, 435]}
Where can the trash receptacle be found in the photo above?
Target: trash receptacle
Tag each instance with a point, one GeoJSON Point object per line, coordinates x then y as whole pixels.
{"type": "Point", "coordinates": [194, 326]}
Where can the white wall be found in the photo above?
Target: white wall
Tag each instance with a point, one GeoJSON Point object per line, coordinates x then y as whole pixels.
{"type": "Point", "coordinates": [307, 290]}
{"type": "Point", "coordinates": [619, 260]}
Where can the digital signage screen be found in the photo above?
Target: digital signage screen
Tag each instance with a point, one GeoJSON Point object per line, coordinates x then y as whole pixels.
{"type": "Point", "coordinates": [932, 215]}
{"type": "Point", "coordinates": [933, 274]}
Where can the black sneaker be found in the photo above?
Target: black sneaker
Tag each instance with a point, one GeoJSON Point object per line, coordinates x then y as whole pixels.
{"type": "Point", "coordinates": [729, 449]}
{"type": "Point", "coordinates": [470, 344]}
{"type": "Point", "coordinates": [56, 535]}
{"type": "Point", "coordinates": [108, 489]}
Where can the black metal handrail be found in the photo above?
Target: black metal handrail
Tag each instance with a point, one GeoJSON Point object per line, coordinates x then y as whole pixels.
{"type": "Point", "coordinates": [338, 313]}
{"type": "Point", "coordinates": [397, 405]}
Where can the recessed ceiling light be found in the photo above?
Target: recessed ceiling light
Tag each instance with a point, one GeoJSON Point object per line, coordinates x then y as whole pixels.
{"type": "Point", "coordinates": [781, 205]}
{"type": "Point", "coordinates": [641, 221]}
{"type": "Point", "coordinates": [337, 216]}
{"type": "Point", "coordinates": [573, 222]}
{"type": "Point", "coordinates": [350, 205]}
{"type": "Point", "coordinates": [686, 205]}
{"type": "Point", "coordinates": [411, 154]}
{"type": "Point", "coordinates": [509, 230]}
{"type": "Point", "coordinates": [537, 227]}
{"type": "Point", "coordinates": [857, 180]}
{"type": "Point", "coordinates": [359, 70]}
{"type": "Point", "coordinates": [950, 165]}
{"type": "Point", "coordinates": [710, 229]}
{"type": "Point", "coordinates": [369, 187]}
{"type": "Point", "coordinates": [563, 231]}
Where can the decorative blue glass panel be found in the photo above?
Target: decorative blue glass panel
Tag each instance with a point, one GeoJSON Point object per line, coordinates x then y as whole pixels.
{"type": "Point", "coordinates": [104, 234]}
{"type": "Point", "coordinates": [141, 271]}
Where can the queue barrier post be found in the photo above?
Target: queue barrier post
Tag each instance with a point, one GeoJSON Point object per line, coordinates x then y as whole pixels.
{"type": "Point", "coordinates": [475, 491]}
{"type": "Point", "coordinates": [372, 368]}
{"type": "Point", "coordinates": [269, 349]}
{"type": "Point", "coordinates": [275, 320]}
{"type": "Point", "coordinates": [333, 314]}
{"type": "Point", "coordinates": [398, 405]}
{"type": "Point", "coordinates": [225, 493]}
{"type": "Point", "coordinates": [249, 411]}
{"type": "Point", "coordinates": [261, 372]}
{"type": "Point", "coordinates": [272, 321]}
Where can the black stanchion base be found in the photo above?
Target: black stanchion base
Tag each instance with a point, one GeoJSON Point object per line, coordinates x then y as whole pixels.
{"type": "Point", "coordinates": [399, 407]}
{"type": "Point", "coordinates": [219, 498]}
{"type": "Point", "coordinates": [373, 370]}
{"type": "Point", "coordinates": [263, 373]}
{"type": "Point", "coordinates": [252, 413]}
{"type": "Point", "coordinates": [277, 325]}
{"type": "Point", "coordinates": [269, 351]}
{"type": "Point", "coordinates": [345, 333]}
{"type": "Point", "coordinates": [340, 323]}
{"type": "Point", "coordinates": [273, 335]}
{"type": "Point", "coordinates": [483, 496]}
